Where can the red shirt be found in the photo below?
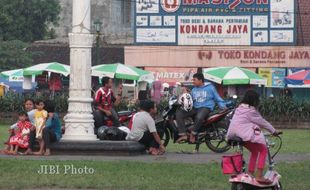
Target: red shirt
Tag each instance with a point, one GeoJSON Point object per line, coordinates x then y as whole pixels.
{"type": "Point", "coordinates": [24, 125]}
{"type": "Point", "coordinates": [104, 97]}
{"type": "Point", "coordinates": [55, 84]}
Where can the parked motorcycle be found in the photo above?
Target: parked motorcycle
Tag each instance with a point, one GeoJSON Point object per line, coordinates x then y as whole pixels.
{"type": "Point", "coordinates": [124, 118]}
{"type": "Point", "coordinates": [213, 132]}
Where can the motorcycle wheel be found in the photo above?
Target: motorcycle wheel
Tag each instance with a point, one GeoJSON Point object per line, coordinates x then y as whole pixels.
{"type": "Point", "coordinates": [165, 137]}
{"type": "Point", "coordinates": [277, 187]}
{"type": "Point", "coordinates": [216, 138]}
{"type": "Point", "coordinates": [238, 186]}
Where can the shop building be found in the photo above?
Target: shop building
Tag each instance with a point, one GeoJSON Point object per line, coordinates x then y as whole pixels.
{"type": "Point", "coordinates": [266, 36]}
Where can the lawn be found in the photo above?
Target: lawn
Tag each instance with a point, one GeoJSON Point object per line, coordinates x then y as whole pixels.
{"type": "Point", "coordinates": [16, 174]}
{"type": "Point", "coordinates": [3, 134]}
{"type": "Point", "coordinates": [119, 175]}
{"type": "Point", "coordinates": [294, 141]}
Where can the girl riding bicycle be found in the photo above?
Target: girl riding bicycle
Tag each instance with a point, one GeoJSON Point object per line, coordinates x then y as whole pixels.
{"type": "Point", "coordinates": [247, 124]}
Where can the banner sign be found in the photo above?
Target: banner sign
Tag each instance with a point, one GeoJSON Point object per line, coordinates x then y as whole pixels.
{"type": "Point", "coordinates": [215, 22]}
{"type": "Point", "coordinates": [267, 74]}
{"type": "Point", "coordinates": [278, 75]}
{"type": "Point", "coordinates": [172, 75]}
{"type": "Point", "coordinates": [275, 76]}
{"type": "Point", "coordinates": [16, 78]}
{"type": "Point", "coordinates": [295, 70]}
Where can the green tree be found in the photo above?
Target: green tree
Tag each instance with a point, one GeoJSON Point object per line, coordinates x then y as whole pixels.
{"type": "Point", "coordinates": [27, 20]}
{"type": "Point", "coordinates": [13, 55]}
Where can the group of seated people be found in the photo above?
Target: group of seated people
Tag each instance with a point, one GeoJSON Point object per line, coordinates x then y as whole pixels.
{"type": "Point", "coordinates": [143, 127]}
{"type": "Point", "coordinates": [38, 123]}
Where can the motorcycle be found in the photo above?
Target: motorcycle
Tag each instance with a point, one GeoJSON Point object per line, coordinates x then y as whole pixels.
{"type": "Point", "coordinates": [124, 118]}
{"type": "Point", "coordinates": [213, 132]}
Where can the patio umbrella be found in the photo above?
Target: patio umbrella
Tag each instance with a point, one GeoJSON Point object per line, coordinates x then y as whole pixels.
{"type": "Point", "coordinates": [233, 75]}
{"type": "Point", "coordinates": [13, 75]}
{"type": "Point", "coordinates": [121, 71]}
{"type": "Point", "coordinates": [53, 67]}
{"type": "Point", "coordinates": [298, 78]}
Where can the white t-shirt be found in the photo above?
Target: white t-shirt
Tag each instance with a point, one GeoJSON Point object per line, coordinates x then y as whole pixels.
{"type": "Point", "coordinates": [142, 122]}
{"type": "Point", "coordinates": [31, 116]}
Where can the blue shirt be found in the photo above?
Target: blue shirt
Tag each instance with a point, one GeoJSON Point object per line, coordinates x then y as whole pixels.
{"type": "Point", "coordinates": [206, 96]}
{"type": "Point", "coordinates": [54, 124]}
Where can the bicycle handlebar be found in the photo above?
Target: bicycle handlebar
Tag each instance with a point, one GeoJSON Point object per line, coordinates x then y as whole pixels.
{"type": "Point", "coordinates": [277, 136]}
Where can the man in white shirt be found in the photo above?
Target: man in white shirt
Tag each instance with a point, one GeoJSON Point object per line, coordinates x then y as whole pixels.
{"type": "Point", "coordinates": [144, 129]}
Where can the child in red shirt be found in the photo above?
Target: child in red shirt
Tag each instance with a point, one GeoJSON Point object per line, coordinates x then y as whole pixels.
{"type": "Point", "coordinates": [21, 137]}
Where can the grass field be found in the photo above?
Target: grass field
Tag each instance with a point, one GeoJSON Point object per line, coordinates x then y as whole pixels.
{"type": "Point", "coordinates": [16, 174]}
{"type": "Point", "coordinates": [122, 175]}
{"type": "Point", "coordinates": [294, 141]}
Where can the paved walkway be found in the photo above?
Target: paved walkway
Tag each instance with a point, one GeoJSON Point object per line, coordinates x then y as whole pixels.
{"type": "Point", "coordinates": [169, 157]}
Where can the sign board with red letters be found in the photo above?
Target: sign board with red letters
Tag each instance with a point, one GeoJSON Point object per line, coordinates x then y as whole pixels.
{"type": "Point", "coordinates": [206, 56]}
{"type": "Point", "coordinates": [215, 22]}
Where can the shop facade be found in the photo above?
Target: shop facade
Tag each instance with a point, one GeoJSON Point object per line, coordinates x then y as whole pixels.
{"type": "Point", "coordinates": [271, 62]}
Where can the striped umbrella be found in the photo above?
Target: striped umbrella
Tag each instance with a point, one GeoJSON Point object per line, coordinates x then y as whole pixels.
{"type": "Point", "coordinates": [233, 75]}
{"type": "Point", "coordinates": [122, 71]}
{"type": "Point", "coordinates": [12, 73]}
{"type": "Point", "coordinates": [298, 78]}
{"type": "Point", "coordinates": [53, 67]}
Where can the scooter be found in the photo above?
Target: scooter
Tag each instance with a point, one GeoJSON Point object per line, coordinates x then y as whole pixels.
{"type": "Point", "coordinates": [245, 181]}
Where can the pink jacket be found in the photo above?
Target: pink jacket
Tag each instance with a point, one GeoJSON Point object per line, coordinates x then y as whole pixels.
{"type": "Point", "coordinates": [246, 124]}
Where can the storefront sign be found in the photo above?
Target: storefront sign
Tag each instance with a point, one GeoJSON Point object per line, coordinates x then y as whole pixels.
{"type": "Point", "coordinates": [172, 75]}
{"type": "Point", "coordinates": [205, 30]}
{"type": "Point", "coordinates": [215, 22]}
{"type": "Point", "coordinates": [181, 56]}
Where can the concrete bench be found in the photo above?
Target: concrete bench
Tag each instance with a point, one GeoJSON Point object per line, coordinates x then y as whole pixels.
{"type": "Point", "coordinates": [97, 148]}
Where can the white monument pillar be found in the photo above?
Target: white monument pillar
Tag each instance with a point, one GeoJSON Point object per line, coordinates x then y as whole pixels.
{"type": "Point", "coordinates": [79, 121]}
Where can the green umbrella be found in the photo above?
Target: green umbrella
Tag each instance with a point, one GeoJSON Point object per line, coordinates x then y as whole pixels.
{"type": "Point", "coordinates": [122, 71]}
{"type": "Point", "coordinates": [16, 73]}
{"type": "Point", "coordinates": [233, 75]}
{"type": "Point", "coordinates": [53, 67]}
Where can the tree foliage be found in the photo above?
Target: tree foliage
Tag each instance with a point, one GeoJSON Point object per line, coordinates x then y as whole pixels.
{"type": "Point", "coordinates": [13, 55]}
{"type": "Point", "coordinates": [27, 20]}
{"type": "Point", "coordinates": [22, 22]}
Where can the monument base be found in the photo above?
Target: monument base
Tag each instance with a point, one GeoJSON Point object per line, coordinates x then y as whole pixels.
{"type": "Point", "coordinates": [123, 148]}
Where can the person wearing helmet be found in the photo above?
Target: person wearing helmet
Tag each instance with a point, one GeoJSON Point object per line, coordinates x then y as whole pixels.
{"type": "Point", "coordinates": [204, 97]}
